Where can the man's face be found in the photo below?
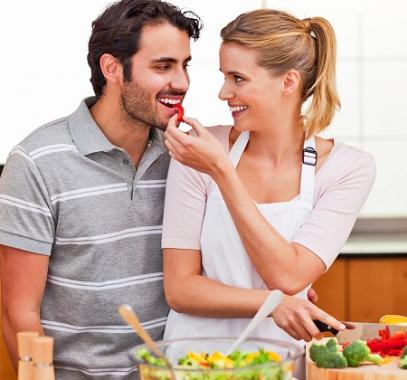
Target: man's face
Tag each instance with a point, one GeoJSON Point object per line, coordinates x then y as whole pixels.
{"type": "Point", "coordinates": [159, 76]}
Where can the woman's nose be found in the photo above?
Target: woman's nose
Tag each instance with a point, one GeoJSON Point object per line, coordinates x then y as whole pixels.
{"type": "Point", "coordinates": [225, 93]}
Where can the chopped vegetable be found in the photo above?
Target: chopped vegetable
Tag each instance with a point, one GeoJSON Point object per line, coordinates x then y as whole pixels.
{"type": "Point", "coordinates": [332, 360]}
{"type": "Point", "coordinates": [145, 355]}
{"type": "Point", "coordinates": [403, 359]}
{"type": "Point", "coordinates": [388, 344]}
{"type": "Point", "coordinates": [358, 352]}
{"type": "Point", "coordinates": [327, 355]}
{"type": "Point", "coordinates": [215, 360]}
{"type": "Point", "coordinates": [180, 111]}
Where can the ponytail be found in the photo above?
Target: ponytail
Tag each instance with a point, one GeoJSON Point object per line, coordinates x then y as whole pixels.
{"type": "Point", "coordinates": [325, 99]}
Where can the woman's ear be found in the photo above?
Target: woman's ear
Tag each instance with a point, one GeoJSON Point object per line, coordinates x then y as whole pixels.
{"type": "Point", "coordinates": [291, 81]}
{"type": "Point", "coordinates": [112, 69]}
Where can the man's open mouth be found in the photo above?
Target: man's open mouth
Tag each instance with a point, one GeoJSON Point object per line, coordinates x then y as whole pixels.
{"type": "Point", "coordinates": [169, 102]}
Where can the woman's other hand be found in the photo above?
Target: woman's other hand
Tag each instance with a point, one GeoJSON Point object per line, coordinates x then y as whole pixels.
{"type": "Point", "coordinates": [312, 295]}
{"type": "Point", "coordinates": [295, 316]}
{"type": "Point", "coordinates": [202, 151]}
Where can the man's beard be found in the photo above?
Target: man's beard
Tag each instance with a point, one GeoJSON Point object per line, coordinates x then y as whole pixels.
{"type": "Point", "coordinates": [137, 107]}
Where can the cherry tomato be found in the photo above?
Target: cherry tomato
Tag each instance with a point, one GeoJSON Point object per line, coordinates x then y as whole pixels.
{"type": "Point", "coordinates": [180, 111]}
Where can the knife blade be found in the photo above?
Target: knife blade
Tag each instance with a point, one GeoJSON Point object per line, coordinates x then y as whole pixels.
{"type": "Point", "coordinates": [357, 330]}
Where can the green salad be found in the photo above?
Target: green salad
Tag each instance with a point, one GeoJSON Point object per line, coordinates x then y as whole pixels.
{"type": "Point", "coordinates": [258, 365]}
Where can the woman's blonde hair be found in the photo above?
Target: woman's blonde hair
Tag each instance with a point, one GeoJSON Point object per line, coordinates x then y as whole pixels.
{"type": "Point", "coordinates": [284, 42]}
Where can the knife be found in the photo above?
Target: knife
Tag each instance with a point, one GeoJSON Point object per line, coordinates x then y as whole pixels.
{"type": "Point", "coordinates": [357, 330]}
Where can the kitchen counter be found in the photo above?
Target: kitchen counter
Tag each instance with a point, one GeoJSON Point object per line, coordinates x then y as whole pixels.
{"type": "Point", "coordinates": [368, 244]}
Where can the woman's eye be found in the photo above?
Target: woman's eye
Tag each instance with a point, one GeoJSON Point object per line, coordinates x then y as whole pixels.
{"type": "Point", "coordinates": [237, 78]}
{"type": "Point", "coordinates": [186, 65]}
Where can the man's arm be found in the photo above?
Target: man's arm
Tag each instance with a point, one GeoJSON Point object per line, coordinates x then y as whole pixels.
{"type": "Point", "coordinates": [23, 276]}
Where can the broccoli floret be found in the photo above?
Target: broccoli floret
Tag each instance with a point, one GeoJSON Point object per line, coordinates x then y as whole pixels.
{"type": "Point", "coordinates": [331, 345]}
{"type": "Point", "coordinates": [403, 362]}
{"type": "Point", "coordinates": [332, 360]}
{"type": "Point", "coordinates": [327, 355]}
{"type": "Point", "coordinates": [319, 350]}
{"type": "Point", "coordinates": [403, 359]}
{"type": "Point", "coordinates": [316, 351]}
{"type": "Point", "coordinates": [358, 352]}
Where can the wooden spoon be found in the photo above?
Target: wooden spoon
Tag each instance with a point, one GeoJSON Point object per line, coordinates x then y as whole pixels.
{"type": "Point", "coordinates": [130, 317]}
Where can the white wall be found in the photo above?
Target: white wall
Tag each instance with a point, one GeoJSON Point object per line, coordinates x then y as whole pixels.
{"type": "Point", "coordinates": [45, 74]}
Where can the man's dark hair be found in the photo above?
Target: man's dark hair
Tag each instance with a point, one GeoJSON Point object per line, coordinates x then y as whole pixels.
{"type": "Point", "coordinates": [117, 32]}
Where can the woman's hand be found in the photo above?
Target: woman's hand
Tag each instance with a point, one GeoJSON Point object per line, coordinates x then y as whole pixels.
{"type": "Point", "coordinates": [295, 316]}
{"type": "Point", "coordinates": [202, 152]}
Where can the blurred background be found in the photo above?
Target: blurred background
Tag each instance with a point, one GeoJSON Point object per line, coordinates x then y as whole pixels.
{"type": "Point", "coordinates": [45, 75]}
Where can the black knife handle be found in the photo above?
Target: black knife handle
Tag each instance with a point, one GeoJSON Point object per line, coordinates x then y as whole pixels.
{"type": "Point", "coordinates": [323, 327]}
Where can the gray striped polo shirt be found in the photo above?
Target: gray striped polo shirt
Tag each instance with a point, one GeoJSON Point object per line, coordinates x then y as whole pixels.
{"type": "Point", "coordinates": [67, 192]}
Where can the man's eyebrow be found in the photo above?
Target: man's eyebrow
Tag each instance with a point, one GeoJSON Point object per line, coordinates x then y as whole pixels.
{"type": "Point", "coordinates": [169, 60]}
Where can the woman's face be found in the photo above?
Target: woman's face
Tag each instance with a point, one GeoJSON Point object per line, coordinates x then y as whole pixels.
{"type": "Point", "coordinates": [252, 92]}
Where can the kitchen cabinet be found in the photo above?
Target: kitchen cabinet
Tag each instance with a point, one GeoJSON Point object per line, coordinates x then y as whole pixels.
{"type": "Point", "coordinates": [6, 369]}
{"type": "Point", "coordinates": [363, 288]}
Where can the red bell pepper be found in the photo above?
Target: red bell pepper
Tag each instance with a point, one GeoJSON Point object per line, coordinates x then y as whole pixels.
{"type": "Point", "coordinates": [388, 344]}
{"type": "Point", "coordinates": [180, 111]}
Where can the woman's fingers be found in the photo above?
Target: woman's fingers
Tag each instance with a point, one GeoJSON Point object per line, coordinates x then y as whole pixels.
{"type": "Point", "coordinates": [312, 330]}
{"type": "Point", "coordinates": [312, 295]}
{"type": "Point", "coordinates": [303, 324]}
{"type": "Point", "coordinates": [195, 124]}
{"type": "Point", "coordinates": [173, 131]}
{"type": "Point", "coordinates": [295, 316]}
{"type": "Point", "coordinates": [293, 333]}
{"type": "Point", "coordinates": [329, 320]}
{"type": "Point", "coordinates": [174, 148]}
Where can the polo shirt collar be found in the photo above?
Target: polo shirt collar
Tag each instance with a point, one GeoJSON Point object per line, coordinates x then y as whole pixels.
{"type": "Point", "coordinates": [89, 138]}
{"type": "Point", "coordinates": [86, 134]}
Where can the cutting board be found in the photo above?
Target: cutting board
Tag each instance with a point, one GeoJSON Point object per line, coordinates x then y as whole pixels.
{"type": "Point", "coordinates": [389, 371]}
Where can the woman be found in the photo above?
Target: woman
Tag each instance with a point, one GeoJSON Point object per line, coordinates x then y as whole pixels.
{"type": "Point", "coordinates": [264, 204]}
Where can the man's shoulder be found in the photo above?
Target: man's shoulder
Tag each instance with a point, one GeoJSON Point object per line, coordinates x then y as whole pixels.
{"type": "Point", "coordinates": [52, 134]}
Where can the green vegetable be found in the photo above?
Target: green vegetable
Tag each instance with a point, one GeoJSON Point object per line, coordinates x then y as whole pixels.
{"type": "Point", "coordinates": [332, 360]}
{"type": "Point", "coordinates": [403, 362]}
{"type": "Point", "coordinates": [358, 352]}
{"type": "Point", "coordinates": [403, 359]}
{"type": "Point", "coordinates": [144, 354]}
{"type": "Point", "coordinates": [318, 350]}
{"type": "Point", "coordinates": [263, 358]}
{"type": "Point", "coordinates": [327, 355]}
{"type": "Point", "coordinates": [241, 364]}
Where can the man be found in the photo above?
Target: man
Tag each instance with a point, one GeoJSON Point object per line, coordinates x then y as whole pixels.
{"type": "Point", "coordinates": [81, 198]}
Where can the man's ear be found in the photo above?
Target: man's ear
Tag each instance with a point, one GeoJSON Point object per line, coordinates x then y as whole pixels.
{"type": "Point", "coordinates": [112, 69]}
{"type": "Point", "coordinates": [291, 81]}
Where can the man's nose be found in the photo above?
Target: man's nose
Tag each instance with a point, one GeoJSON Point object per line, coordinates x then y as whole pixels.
{"type": "Point", "coordinates": [181, 81]}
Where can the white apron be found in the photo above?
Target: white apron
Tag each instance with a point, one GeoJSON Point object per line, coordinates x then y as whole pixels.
{"type": "Point", "coordinates": [224, 257]}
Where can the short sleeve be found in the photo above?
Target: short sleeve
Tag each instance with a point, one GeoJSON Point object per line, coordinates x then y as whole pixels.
{"type": "Point", "coordinates": [26, 220]}
{"type": "Point", "coordinates": [344, 192]}
{"type": "Point", "coordinates": [184, 209]}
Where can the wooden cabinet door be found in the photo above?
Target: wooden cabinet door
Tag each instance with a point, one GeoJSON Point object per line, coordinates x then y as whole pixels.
{"type": "Point", "coordinates": [6, 369]}
{"type": "Point", "coordinates": [377, 286]}
{"type": "Point", "coordinates": [331, 288]}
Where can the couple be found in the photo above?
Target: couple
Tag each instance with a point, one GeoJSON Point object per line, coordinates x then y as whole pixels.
{"type": "Point", "coordinates": [263, 204]}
